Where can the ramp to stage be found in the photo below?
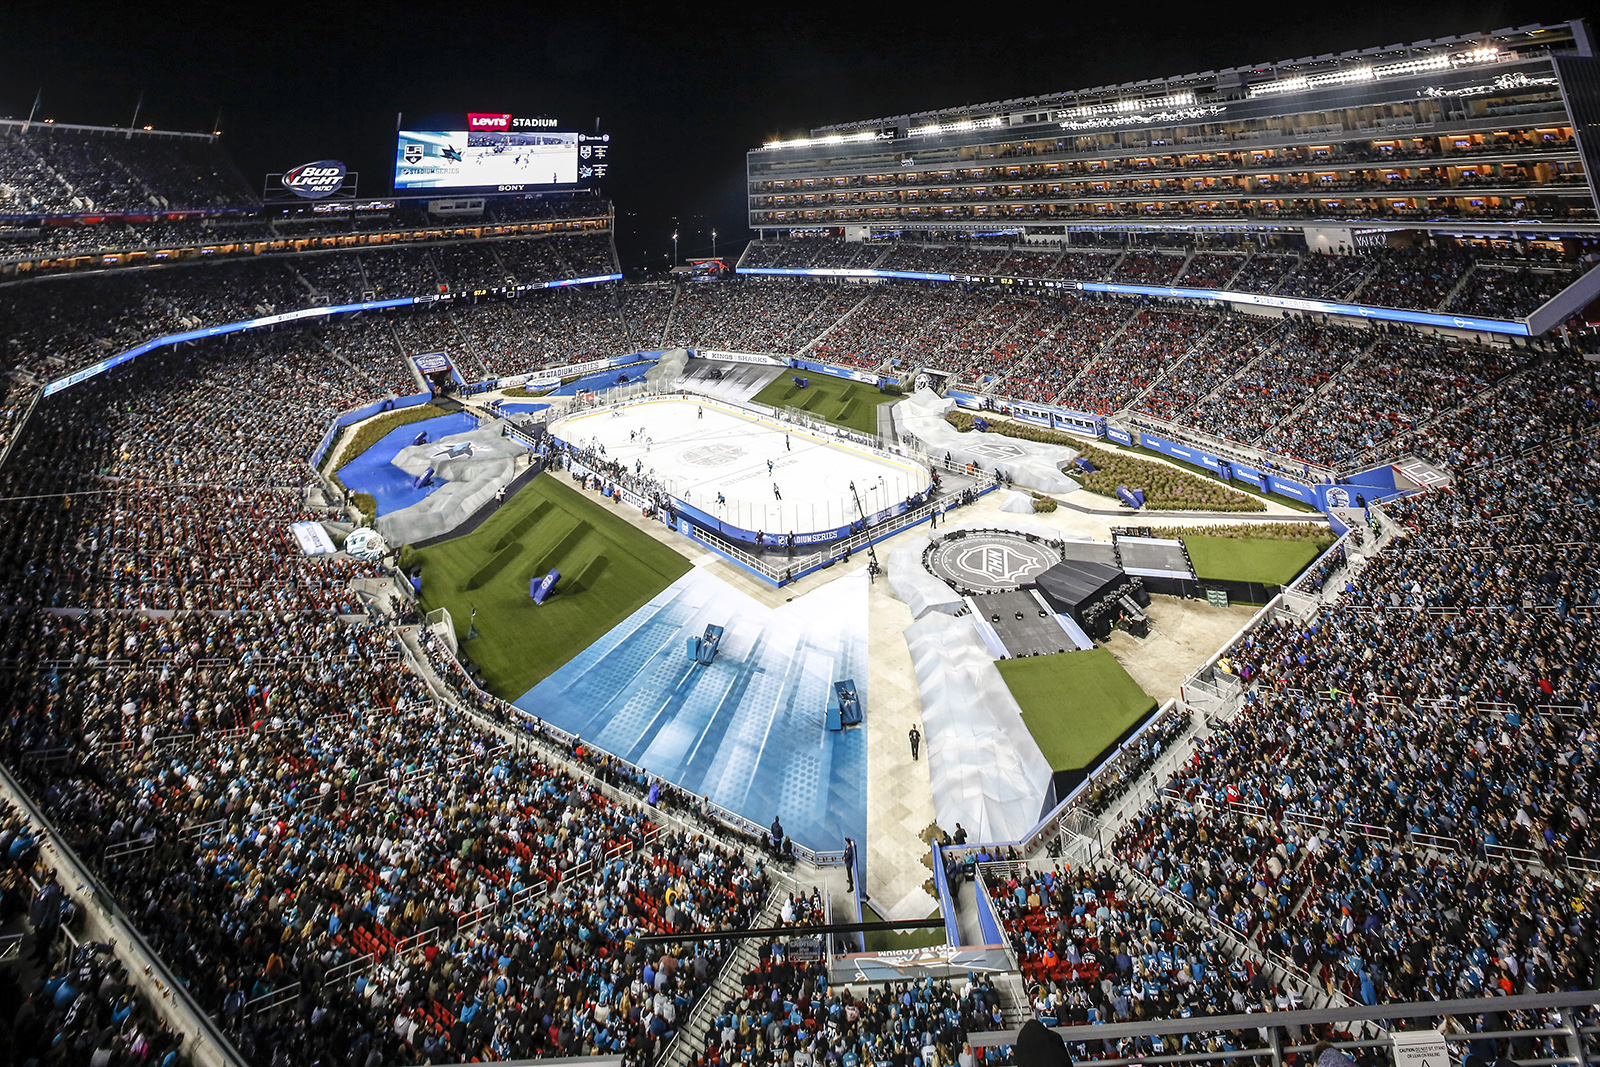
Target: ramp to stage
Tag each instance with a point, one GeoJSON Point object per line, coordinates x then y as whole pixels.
{"type": "Point", "coordinates": [986, 769]}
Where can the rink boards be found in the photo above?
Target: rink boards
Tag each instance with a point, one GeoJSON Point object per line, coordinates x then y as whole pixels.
{"type": "Point", "coordinates": [713, 459]}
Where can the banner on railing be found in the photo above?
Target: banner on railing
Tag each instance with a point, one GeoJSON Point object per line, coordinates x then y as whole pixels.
{"type": "Point", "coordinates": [909, 963]}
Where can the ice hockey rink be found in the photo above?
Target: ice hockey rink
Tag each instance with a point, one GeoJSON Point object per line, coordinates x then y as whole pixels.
{"type": "Point", "coordinates": [699, 449]}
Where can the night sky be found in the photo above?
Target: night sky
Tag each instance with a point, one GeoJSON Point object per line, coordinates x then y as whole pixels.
{"type": "Point", "coordinates": [685, 89]}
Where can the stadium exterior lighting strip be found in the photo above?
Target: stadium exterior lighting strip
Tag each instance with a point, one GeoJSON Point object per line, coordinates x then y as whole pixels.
{"type": "Point", "coordinates": [1507, 327]}
{"type": "Point", "coordinates": [1115, 107]}
{"type": "Point", "coordinates": [832, 138]}
{"type": "Point", "coordinates": [83, 374]}
{"type": "Point", "coordinates": [1303, 82]}
{"type": "Point", "coordinates": [959, 126]}
{"type": "Point", "coordinates": [1182, 114]}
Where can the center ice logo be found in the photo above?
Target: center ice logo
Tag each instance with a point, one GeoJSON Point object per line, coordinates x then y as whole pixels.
{"type": "Point", "coordinates": [995, 450]}
{"type": "Point", "coordinates": [998, 563]}
{"type": "Point", "coordinates": [712, 455]}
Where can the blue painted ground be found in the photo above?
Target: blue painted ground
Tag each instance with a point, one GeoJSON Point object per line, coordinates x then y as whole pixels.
{"type": "Point", "coordinates": [373, 472]}
{"type": "Point", "coordinates": [749, 730]}
{"type": "Point", "coordinates": [522, 406]}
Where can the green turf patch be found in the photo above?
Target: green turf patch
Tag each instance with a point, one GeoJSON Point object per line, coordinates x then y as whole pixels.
{"type": "Point", "coordinates": [847, 403]}
{"type": "Point", "coordinates": [1249, 559]}
{"type": "Point", "coordinates": [371, 432]}
{"type": "Point", "coordinates": [1075, 704]}
{"type": "Point", "coordinates": [895, 940]}
{"type": "Point", "coordinates": [609, 569]}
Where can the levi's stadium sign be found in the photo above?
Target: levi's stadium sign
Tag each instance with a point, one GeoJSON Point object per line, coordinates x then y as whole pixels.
{"type": "Point", "coordinates": [315, 180]}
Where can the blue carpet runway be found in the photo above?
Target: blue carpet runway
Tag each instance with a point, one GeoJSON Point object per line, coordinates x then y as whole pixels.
{"type": "Point", "coordinates": [749, 730]}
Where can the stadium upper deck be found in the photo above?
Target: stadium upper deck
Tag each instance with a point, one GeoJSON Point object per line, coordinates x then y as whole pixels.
{"type": "Point", "coordinates": [1493, 129]}
{"type": "Point", "coordinates": [57, 169]}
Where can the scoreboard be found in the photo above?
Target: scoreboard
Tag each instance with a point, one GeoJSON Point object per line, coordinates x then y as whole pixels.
{"type": "Point", "coordinates": [496, 152]}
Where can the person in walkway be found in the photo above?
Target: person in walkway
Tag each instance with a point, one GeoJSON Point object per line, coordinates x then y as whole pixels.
{"type": "Point", "coordinates": [850, 864]}
{"type": "Point", "coordinates": [44, 915]}
{"type": "Point", "coordinates": [777, 833]}
{"type": "Point", "coordinates": [916, 740]}
{"type": "Point", "coordinates": [960, 836]}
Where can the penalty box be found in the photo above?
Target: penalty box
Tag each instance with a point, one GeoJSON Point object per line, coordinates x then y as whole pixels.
{"type": "Point", "coordinates": [744, 475]}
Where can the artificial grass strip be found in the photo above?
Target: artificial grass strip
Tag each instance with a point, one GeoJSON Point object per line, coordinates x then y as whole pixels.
{"type": "Point", "coordinates": [1269, 561]}
{"type": "Point", "coordinates": [1075, 704]}
{"type": "Point", "coordinates": [609, 569]}
{"type": "Point", "coordinates": [846, 403]}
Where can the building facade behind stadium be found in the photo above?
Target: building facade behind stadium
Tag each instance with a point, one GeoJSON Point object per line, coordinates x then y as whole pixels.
{"type": "Point", "coordinates": [1496, 130]}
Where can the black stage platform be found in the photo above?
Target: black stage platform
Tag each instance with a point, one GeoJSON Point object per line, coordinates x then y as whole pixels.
{"type": "Point", "coordinates": [1151, 557]}
{"type": "Point", "coordinates": [1023, 625]}
{"type": "Point", "coordinates": [1090, 594]}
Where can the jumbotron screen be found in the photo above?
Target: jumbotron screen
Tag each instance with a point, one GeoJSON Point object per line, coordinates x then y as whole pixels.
{"type": "Point", "coordinates": [499, 153]}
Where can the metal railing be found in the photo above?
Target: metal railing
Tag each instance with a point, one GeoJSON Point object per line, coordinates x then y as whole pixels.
{"type": "Point", "coordinates": [1561, 1022]}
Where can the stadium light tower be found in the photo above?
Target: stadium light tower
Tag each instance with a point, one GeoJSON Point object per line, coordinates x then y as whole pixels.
{"type": "Point", "coordinates": [674, 248]}
{"type": "Point", "coordinates": [713, 242]}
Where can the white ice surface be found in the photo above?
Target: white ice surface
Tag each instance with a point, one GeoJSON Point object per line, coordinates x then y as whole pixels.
{"type": "Point", "coordinates": [697, 450]}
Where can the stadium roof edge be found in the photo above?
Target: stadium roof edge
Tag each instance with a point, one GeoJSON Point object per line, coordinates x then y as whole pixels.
{"type": "Point", "coordinates": [23, 124]}
{"type": "Point", "coordinates": [1577, 32]}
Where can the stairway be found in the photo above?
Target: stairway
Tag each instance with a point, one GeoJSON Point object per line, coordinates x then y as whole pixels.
{"type": "Point", "coordinates": [728, 985]}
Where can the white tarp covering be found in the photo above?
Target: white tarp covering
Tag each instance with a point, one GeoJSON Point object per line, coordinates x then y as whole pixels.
{"type": "Point", "coordinates": [912, 583]}
{"type": "Point", "coordinates": [1029, 463]}
{"type": "Point", "coordinates": [1015, 503]}
{"type": "Point", "coordinates": [987, 771]}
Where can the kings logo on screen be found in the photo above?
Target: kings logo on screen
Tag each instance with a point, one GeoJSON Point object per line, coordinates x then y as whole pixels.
{"type": "Point", "coordinates": [315, 180]}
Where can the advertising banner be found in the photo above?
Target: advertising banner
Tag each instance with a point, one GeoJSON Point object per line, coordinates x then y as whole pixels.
{"type": "Point", "coordinates": [313, 538]}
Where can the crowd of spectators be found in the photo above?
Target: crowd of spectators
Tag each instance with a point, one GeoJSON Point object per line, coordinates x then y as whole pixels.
{"type": "Point", "coordinates": [1148, 268]}
{"type": "Point", "coordinates": [335, 866]}
{"type": "Point", "coordinates": [1414, 277]}
{"type": "Point", "coordinates": [1402, 382]}
{"type": "Point", "coordinates": [1262, 272]}
{"type": "Point", "coordinates": [69, 1000]}
{"type": "Point", "coordinates": [1094, 951]}
{"type": "Point", "coordinates": [1509, 292]}
{"type": "Point", "coordinates": [56, 170]}
{"type": "Point", "coordinates": [1082, 266]}
{"type": "Point", "coordinates": [1211, 270]}
{"type": "Point", "coordinates": [1525, 411]}
{"type": "Point", "coordinates": [1213, 362]}
{"type": "Point", "coordinates": [1066, 345]}
{"type": "Point", "coordinates": [1323, 276]}
{"type": "Point", "coordinates": [904, 324]}
{"type": "Point", "coordinates": [1278, 382]}
{"type": "Point", "coordinates": [1151, 343]}
{"type": "Point", "coordinates": [754, 315]}
{"type": "Point", "coordinates": [125, 236]}
{"type": "Point", "coordinates": [789, 1014]}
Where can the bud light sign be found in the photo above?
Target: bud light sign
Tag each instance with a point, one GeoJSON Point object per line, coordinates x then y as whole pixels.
{"type": "Point", "coordinates": [315, 180]}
